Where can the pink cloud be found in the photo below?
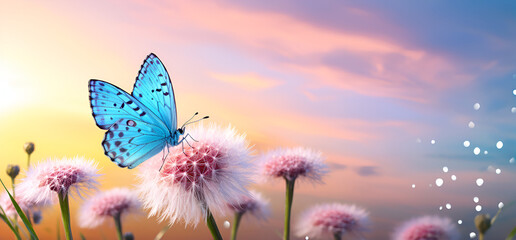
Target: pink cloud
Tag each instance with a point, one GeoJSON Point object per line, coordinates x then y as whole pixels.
{"type": "Point", "coordinates": [296, 46]}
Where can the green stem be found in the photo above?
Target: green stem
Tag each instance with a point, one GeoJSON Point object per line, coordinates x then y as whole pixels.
{"type": "Point", "coordinates": [336, 236]}
{"type": "Point", "coordinates": [118, 224]}
{"type": "Point", "coordinates": [16, 215]}
{"type": "Point", "coordinates": [65, 214]}
{"type": "Point", "coordinates": [480, 236]}
{"type": "Point", "coordinates": [236, 222]}
{"type": "Point", "coordinates": [289, 197]}
{"type": "Point", "coordinates": [28, 160]}
{"type": "Point", "coordinates": [212, 225]}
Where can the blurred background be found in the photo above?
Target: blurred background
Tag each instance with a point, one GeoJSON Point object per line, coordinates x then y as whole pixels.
{"type": "Point", "coordinates": [386, 90]}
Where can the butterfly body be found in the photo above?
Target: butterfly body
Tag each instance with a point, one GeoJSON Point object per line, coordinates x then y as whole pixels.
{"type": "Point", "coordinates": [141, 124]}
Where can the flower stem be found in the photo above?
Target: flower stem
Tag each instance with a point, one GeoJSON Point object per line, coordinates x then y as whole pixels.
{"type": "Point", "coordinates": [288, 206]}
{"type": "Point", "coordinates": [336, 236]}
{"type": "Point", "coordinates": [118, 224]}
{"type": "Point", "coordinates": [212, 225]}
{"type": "Point", "coordinates": [65, 214]}
{"type": "Point", "coordinates": [15, 216]}
{"type": "Point", "coordinates": [236, 222]}
{"type": "Point", "coordinates": [480, 236]}
{"type": "Point", "coordinates": [28, 160]}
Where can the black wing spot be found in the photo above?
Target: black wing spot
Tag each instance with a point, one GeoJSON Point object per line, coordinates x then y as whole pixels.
{"type": "Point", "coordinates": [123, 150]}
{"type": "Point", "coordinates": [158, 90]}
{"type": "Point", "coordinates": [136, 109]}
{"type": "Point", "coordinates": [107, 145]}
{"type": "Point", "coordinates": [139, 130]}
{"type": "Point", "coordinates": [152, 90]}
{"type": "Point", "coordinates": [114, 104]}
{"type": "Point", "coordinates": [163, 84]}
{"type": "Point", "coordinates": [110, 118]}
{"type": "Point", "coordinates": [112, 154]}
{"type": "Point", "coordinates": [140, 95]}
{"type": "Point", "coordinates": [131, 123]}
{"type": "Point", "coordinates": [117, 143]}
{"type": "Point", "coordinates": [110, 135]}
{"type": "Point", "coordinates": [160, 75]}
{"type": "Point", "coordinates": [118, 93]}
{"type": "Point", "coordinates": [121, 134]}
{"type": "Point", "coordinates": [143, 113]}
{"type": "Point", "coordinates": [115, 126]}
{"type": "Point", "coordinates": [127, 128]}
{"type": "Point", "coordinates": [123, 105]}
{"type": "Point", "coordinates": [101, 84]}
{"type": "Point", "coordinates": [130, 102]}
{"type": "Point", "coordinates": [166, 94]}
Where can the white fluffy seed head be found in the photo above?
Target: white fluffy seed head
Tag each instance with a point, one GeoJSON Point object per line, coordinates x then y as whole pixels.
{"type": "Point", "coordinates": [292, 164]}
{"type": "Point", "coordinates": [210, 173]}
{"type": "Point", "coordinates": [254, 204]}
{"type": "Point", "coordinates": [325, 220]}
{"type": "Point", "coordinates": [106, 205]}
{"type": "Point", "coordinates": [427, 227]}
{"type": "Point", "coordinates": [75, 176]}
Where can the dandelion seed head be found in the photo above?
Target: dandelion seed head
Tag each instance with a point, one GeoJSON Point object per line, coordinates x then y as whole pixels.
{"type": "Point", "coordinates": [105, 205]}
{"type": "Point", "coordinates": [427, 227]}
{"type": "Point", "coordinates": [325, 220]}
{"type": "Point", "coordinates": [183, 190]}
{"type": "Point", "coordinates": [293, 163]}
{"type": "Point", "coordinates": [75, 176]}
{"type": "Point", "coordinates": [254, 204]}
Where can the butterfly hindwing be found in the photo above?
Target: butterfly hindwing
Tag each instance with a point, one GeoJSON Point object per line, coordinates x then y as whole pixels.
{"type": "Point", "coordinates": [129, 142]}
{"type": "Point", "coordinates": [110, 104]}
{"type": "Point", "coordinates": [154, 89]}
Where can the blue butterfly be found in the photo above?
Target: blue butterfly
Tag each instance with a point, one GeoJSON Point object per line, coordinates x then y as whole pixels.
{"type": "Point", "coordinates": [141, 124]}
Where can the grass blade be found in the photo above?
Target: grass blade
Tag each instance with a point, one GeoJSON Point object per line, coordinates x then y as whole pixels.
{"type": "Point", "coordinates": [162, 233]}
{"type": "Point", "coordinates": [8, 222]}
{"type": "Point", "coordinates": [21, 214]}
{"type": "Point", "coordinates": [511, 235]}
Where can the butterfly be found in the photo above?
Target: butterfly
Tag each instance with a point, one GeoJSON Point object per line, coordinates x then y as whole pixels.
{"type": "Point", "coordinates": [141, 124]}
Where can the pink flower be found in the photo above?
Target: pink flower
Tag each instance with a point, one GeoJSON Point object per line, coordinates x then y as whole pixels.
{"type": "Point", "coordinates": [68, 175]}
{"type": "Point", "coordinates": [209, 174]}
{"type": "Point", "coordinates": [333, 219]}
{"type": "Point", "coordinates": [292, 163]}
{"type": "Point", "coordinates": [427, 228]}
{"type": "Point", "coordinates": [106, 205]}
{"type": "Point", "coordinates": [255, 204]}
{"type": "Point", "coordinates": [26, 206]}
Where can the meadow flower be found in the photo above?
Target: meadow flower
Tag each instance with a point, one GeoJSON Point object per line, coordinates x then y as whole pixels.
{"type": "Point", "coordinates": [254, 204]}
{"type": "Point", "coordinates": [59, 178]}
{"type": "Point", "coordinates": [337, 220]}
{"type": "Point", "coordinates": [203, 177]}
{"type": "Point", "coordinates": [26, 206]}
{"type": "Point", "coordinates": [292, 164]}
{"type": "Point", "coordinates": [111, 204]}
{"type": "Point", "coordinates": [427, 227]}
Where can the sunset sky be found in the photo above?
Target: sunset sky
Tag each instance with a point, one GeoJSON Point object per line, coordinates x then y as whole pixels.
{"type": "Point", "coordinates": [369, 83]}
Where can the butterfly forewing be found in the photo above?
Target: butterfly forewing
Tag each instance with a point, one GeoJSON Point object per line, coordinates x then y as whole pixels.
{"type": "Point", "coordinates": [129, 142]}
{"type": "Point", "coordinates": [154, 89]}
{"type": "Point", "coordinates": [110, 104]}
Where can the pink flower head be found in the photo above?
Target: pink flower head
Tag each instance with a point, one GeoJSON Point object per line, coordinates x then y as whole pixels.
{"type": "Point", "coordinates": [210, 173]}
{"type": "Point", "coordinates": [25, 205]}
{"type": "Point", "coordinates": [67, 175]}
{"type": "Point", "coordinates": [293, 163]}
{"type": "Point", "coordinates": [254, 204]}
{"type": "Point", "coordinates": [427, 228]}
{"type": "Point", "coordinates": [104, 205]}
{"type": "Point", "coordinates": [329, 219]}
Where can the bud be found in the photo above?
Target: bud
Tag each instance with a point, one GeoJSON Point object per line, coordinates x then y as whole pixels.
{"type": "Point", "coordinates": [36, 217]}
{"type": "Point", "coordinates": [13, 170]}
{"type": "Point", "coordinates": [483, 223]}
{"type": "Point", "coordinates": [29, 147]}
{"type": "Point", "coordinates": [128, 236]}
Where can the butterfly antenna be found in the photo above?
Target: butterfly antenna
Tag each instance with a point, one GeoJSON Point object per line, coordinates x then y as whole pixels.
{"type": "Point", "coordinates": [187, 123]}
{"type": "Point", "coordinates": [195, 114]}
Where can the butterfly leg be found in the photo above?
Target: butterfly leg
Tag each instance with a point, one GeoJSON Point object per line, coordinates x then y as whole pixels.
{"type": "Point", "coordinates": [188, 135]}
{"type": "Point", "coordinates": [163, 159]}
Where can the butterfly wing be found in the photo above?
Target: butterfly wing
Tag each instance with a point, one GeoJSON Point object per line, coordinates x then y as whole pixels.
{"type": "Point", "coordinates": [129, 142]}
{"type": "Point", "coordinates": [109, 104]}
{"type": "Point", "coordinates": [154, 89]}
